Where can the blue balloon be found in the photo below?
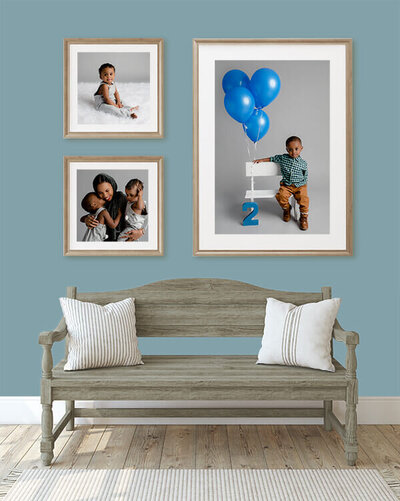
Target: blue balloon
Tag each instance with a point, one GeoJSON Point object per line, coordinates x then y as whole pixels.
{"type": "Point", "coordinates": [257, 125]}
{"type": "Point", "coordinates": [265, 86]}
{"type": "Point", "coordinates": [239, 103]}
{"type": "Point", "coordinates": [235, 78]}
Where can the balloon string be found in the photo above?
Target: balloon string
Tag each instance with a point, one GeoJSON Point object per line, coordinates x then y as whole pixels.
{"type": "Point", "coordinates": [247, 145]}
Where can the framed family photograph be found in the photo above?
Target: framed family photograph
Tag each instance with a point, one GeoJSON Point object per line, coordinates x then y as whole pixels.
{"type": "Point", "coordinates": [272, 160]}
{"type": "Point", "coordinates": [113, 88]}
{"type": "Point", "coordinates": [113, 206]}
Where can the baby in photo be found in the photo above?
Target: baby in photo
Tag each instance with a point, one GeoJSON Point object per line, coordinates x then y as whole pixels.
{"type": "Point", "coordinates": [135, 212]}
{"type": "Point", "coordinates": [294, 172]}
{"type": "Point", "coordinates": [94, 205]}
{"type": "Point", "coordinates": [107, 98]}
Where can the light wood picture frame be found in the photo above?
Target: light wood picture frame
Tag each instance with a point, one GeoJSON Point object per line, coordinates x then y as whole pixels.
{"type": "Point", "coordinates": [314, 103]}
{"type": "Point", "coordinates": [106, 179]}
{"type": "Point", "coordinates": [139, 81]}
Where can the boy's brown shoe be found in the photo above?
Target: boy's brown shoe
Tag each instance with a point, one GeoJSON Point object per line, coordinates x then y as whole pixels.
{"type": "Point", "coordinates": [286, 215]}
{"type": "Point", "coordinates": [303, 222]}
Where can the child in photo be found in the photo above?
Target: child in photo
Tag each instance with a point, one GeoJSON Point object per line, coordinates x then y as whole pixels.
{"type": "Point", "coordinates": [94, 205]}
{"type": "Point", "coordinates": [294, 172]}
{"type": "Point", "coordinates": [107, 98]}
{"type": "Point", "coordinates": [135, 212]}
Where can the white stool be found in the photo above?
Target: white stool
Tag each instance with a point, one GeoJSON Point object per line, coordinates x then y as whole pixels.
{"type": "Point", "coordinates": [264, 169]}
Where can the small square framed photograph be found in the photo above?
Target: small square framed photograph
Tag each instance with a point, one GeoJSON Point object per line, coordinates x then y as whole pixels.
{"type": "Point", "coordinates": [113, 88]}
{"type": "Point", "coordinates": [273, 149]}
{"type": "Point", "coordinates": [113, 206]}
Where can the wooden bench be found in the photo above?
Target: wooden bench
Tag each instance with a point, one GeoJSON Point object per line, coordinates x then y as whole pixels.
{"type": "Point", "coordinates": [193, 308]}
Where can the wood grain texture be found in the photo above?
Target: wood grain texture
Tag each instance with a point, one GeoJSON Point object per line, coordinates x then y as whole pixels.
{"type": "Point", "coordinates": [86, 446]}
{"type": "Point", "coordinates": [113, 447]}
{"type": "Point", "coordinates": [200, 291]}
{"type": "Point", "coordinates": [146, 447]}
{"type": "Point", "coordinates": [179, 447]}
{"type": "Point", "coordinates": [245, 448]}
{"type": "Point", "coordinates": [391, 433]}
{"type": "Point", "coordinates": [279, 449]}
{"type": "Point", "coordinates": [334, 443]}
{"type": "Point", "coordinates": [6, 430]}
{"type": "Point", "coordinates": [16, 445]}
{"type": "Point", "coordinates": [274, 443]}
{"type": "Point", "coordinates": [381, 451]}
{"type": "Point", "coordinates": [31, 459]}
{"type": "Point", "coordinates": [212, 449]}
{"type": "Point", "coordinates": [311, 447]}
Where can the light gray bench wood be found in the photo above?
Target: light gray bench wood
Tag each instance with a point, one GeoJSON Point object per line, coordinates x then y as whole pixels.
{"type": "Point", "coordinates": [199, 307]}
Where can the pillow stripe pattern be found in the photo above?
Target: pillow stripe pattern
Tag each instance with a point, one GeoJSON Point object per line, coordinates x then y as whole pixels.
{"type": "Point", "coordinates": [100, 336]}
{"type": "Point", "coordinates": [299, 335]}
{"type": "Point", "coordinates": [290, 335]}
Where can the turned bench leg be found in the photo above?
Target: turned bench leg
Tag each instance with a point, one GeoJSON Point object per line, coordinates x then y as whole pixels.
{"type": "Point", "coordinates": [46, 399]}
{"type": "Point", "coordinates": [47, 443]}
{"type": "Point", "coordinates": [70, 407]}
{"type": "Point", "coordinates": [327, 410]}
{"type": "Point", "coordinates": [350, 440]}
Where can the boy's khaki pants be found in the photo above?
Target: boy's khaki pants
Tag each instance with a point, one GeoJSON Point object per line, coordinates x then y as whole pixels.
{"type": "Point", "coordinates": [299, 193]}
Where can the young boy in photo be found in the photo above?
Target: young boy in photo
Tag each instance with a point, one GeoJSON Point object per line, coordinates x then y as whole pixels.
{"type": "Point", "coordinates": [107, 98]}
{"type": "Point", "coordinates": [95, 205]}
{"type": "Point", "coordinates": [294, 180]}
{"type": "Point", "coordinates": [135, 212]}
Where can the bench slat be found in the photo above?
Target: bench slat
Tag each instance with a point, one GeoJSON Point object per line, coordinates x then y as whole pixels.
{"type": "Point", "coordinates": [200, 291]}
{"type": "Point", "coordinates": [201, 315]}
{"type": "Point", "coordinates": [204, 371]}
{"type": "Point", "coordinates": [263, 169]}
{"type": "Point", "coordinates": [198, 331]}
{"type": "Point", "coordinates": [260, 194]}
{"type": "Point", "coordinates": [136, 392]}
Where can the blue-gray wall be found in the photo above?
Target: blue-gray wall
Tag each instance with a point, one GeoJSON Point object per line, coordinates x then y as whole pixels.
{"type": "Point", "coordinates": [34, 271]}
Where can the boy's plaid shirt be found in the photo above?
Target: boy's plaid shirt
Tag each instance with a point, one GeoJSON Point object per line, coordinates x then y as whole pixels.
{"type": "Point", "coordinates": [294, 170]}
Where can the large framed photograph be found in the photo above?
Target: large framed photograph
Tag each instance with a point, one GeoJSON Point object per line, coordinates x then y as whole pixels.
{"type": "Point", "coordinates": [272, 147]}
{"type": "Point", "coordinates": [113, 88]}
{"type": "Point", "coordinates": [113, 206]}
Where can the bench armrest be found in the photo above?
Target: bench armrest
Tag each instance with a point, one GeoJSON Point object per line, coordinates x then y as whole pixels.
{"type": "Point", "coordinates": [49, 337]}
{"type": "Point", "coordinates": [348, 337]}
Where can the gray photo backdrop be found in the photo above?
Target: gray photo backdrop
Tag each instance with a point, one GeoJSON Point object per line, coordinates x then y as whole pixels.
{"type": "Point", "coordinates": [85, 185]}
{"type": "Point", "coordinates": [129, 66]}
{"type": "Point", "coordinates": [300, 109]}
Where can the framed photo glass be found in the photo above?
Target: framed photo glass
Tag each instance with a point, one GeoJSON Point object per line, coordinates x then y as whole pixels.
{"type": "Point", "coordinates": [254, 100]}
{"type": "Point", "coordinates": [113, 88]}
{"type": "Point", "coordinates": [113, 206]}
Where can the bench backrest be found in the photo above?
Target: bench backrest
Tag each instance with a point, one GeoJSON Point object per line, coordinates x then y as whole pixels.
{"type": "Point", "coordinates": [262, 169]}
{"type": "Point", "coordinates": [199, 307]}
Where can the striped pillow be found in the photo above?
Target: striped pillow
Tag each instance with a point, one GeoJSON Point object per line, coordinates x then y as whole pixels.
{"type": "Point", "coordinates": [299, 335]}
{"type": "Point", "coordinates": [100, 336]}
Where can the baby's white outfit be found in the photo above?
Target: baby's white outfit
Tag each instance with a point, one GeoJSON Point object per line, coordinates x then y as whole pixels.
{"type": "Point", "coordinates": [133, 221]}
{"type": "Point", "coordinates": [97, 234]}
{"type": "Point", "coordinates": [124, 112]}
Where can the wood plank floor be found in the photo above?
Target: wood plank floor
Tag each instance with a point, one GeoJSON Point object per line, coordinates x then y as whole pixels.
{"type": "Point", "coordinates": [200, 446]}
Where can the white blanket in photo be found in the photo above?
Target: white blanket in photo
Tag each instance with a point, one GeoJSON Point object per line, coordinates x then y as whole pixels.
{"type": "Point", "coordinates": [131, 94]}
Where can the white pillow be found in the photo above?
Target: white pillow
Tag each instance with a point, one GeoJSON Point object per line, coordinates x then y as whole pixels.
{"type": "Point", "coordinates": [100, 336]}
{"type": "Point", "coordinates": [299, 335]}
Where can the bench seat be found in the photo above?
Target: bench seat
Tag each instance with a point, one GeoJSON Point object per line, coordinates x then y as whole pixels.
{"type": "Point", "coordinates": [176, 377]}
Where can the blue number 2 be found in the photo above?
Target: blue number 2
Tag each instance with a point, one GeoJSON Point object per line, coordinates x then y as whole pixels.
{"type": "Point", "coordinates": [249, 219]}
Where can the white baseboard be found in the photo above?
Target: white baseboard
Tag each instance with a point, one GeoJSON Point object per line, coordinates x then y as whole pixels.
{"type": "Point", "coordinates": [370, 410]}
